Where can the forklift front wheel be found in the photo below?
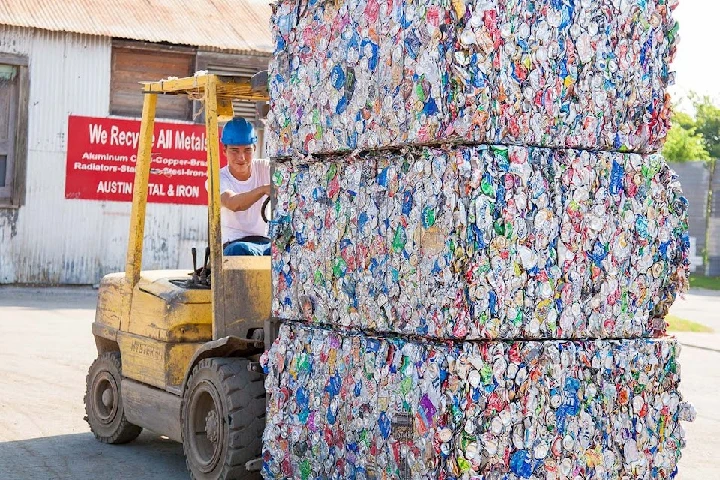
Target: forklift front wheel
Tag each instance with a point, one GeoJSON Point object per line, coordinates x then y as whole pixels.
{"type": "Point", "coordinates": [223, 418]}
{"type": "Point", "coordinates": [103, 402]}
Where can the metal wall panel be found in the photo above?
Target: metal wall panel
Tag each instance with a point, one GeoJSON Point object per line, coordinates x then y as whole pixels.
{"type": "Point", "coordinates": [51, 240]}
{"type": "Point", "coordinates": [713, 266]}
{"type": "Point", "coordinates": [240, 25]}
{"type": "Point", "coordinates": [695, 180]}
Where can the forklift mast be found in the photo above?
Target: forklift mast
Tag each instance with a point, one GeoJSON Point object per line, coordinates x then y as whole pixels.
{"type": "Point", "coordinates": [230, 312]}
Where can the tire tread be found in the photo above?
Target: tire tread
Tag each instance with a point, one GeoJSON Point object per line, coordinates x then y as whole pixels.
{"type": "Point", "coordinates": [125, 432]}
{"type": "Point", "coordinates": [244, 392]}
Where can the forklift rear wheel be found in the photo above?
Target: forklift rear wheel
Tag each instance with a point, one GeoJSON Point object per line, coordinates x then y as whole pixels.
{"type": "Point", "coordinates": [103, 401]}
{"type": "Point", "coordinates": [223, 418]}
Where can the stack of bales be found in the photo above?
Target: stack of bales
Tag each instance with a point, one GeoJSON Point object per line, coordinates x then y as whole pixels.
{"type": "Point", "coordinates": [474, 245]}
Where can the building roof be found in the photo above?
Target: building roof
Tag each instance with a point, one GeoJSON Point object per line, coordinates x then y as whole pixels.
{"type": "Point", "coordinates": [239, 25]}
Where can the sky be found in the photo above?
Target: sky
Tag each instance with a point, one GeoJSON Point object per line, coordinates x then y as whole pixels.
{"type": "Point", "coordinates": [697, 63]}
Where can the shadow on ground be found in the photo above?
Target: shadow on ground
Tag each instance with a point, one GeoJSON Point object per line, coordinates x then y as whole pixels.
{"type": "Point", "coordinates": [81, 457]}
{"type": "Point", "coordinates": [40, 298]}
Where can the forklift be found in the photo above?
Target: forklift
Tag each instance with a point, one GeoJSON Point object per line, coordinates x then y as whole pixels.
{"type": "Point", "coordinates": [178, 352]}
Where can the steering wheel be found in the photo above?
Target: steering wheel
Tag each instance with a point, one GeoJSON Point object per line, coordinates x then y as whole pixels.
{"type": "Point", "coordinates": [266, 212]}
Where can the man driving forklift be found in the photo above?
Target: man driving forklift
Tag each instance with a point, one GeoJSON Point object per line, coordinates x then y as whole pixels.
{"type": "Point", "coordinates": [244, 183]}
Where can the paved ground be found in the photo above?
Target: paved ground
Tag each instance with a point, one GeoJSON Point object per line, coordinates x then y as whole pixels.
{"type": "Point", "coordinates": [46, 348]}
{"type": "Point", "coordinates": [700, 364]}
{"type": "Point", "coordinates": [45, 351]}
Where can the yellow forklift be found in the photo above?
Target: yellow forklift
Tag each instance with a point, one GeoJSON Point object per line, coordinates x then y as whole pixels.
{"type": "Point", "coordinates": [177, 352]}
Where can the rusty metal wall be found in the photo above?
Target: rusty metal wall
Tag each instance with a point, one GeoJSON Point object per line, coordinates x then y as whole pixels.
{"type": "Point", "coordinates": [239, 25]}
{"type": "Point", "coordinates": [51, 240]}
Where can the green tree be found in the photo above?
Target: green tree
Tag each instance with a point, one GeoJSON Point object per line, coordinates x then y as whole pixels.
{"type": "Point", "coordinates": [694, 136]}
{"type": "Point", "coordinates": [683, 119]}
{"type": "Point", "coordinates": [684, 144]}
{"type": "Point", "coordinates": [707, 123]}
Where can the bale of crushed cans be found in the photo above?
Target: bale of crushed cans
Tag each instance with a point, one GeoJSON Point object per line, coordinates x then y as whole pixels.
{"type": "Point", "coordinates": [480, 242]}
{"type": "Point", "coordinates": [346, 405]}
{"type": "Point", "coordinates": [366, 74]}
{"type": "Point", "coordinates": [457, 215]}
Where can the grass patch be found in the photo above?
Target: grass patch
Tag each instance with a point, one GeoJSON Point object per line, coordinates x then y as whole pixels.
{"type": "Point", "coordinates": [701, 281]}
{"type": "Point", "coordinates": [677, 324]}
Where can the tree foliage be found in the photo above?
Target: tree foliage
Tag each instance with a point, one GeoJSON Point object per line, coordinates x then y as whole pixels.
{"type": "Point", "coordinates": [707, 123]}
{"type": "Point", "coordinates": [684, 145]}
{"type": "Point", "coordinates": [694, 136]}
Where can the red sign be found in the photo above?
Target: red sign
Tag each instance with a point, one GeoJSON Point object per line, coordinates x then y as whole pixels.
{"type": "Point", "coordinates": [102, 153]}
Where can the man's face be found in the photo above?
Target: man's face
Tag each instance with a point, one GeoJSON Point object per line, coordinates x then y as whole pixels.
{"type": "Point", "coordinates": [239, 156]}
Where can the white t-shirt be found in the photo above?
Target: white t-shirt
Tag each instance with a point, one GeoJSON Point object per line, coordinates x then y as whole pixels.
{"type": "Point", "coordinates": [235, 225]}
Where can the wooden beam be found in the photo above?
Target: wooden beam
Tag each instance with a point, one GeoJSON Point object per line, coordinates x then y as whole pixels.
{"type": "Point", "coordinates": [20, 156]}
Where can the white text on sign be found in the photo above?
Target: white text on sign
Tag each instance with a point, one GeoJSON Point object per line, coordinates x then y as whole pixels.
{"type": "Point", "coordinates": [130, 138]}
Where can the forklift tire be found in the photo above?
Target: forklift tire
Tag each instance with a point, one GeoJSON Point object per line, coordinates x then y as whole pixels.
{"type": "Point", "coordinates": [103, 402]}
{"type": "Point", "coordinates": [223, 418]}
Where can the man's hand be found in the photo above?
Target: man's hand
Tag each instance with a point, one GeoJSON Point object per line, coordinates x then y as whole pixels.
{"type": "Point", "coordinates": [239, 202]}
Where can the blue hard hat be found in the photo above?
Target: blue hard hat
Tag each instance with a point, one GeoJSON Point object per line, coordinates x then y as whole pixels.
{"type": "Point", "coordinates": [239, 131]}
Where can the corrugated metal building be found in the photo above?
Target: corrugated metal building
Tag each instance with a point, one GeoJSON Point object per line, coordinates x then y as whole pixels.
{"type": "Point", "coordinates": [695, 179]}
{"type": "Point", "coordinates": [713, 247]}
{"type": "Point", "coordinates": [701, 187]}
{"type": "Point", "coordinates": [82, 57]}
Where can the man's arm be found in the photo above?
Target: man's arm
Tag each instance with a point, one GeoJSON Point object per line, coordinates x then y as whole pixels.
{"type": "Point", "coordinates": [239, 202]}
